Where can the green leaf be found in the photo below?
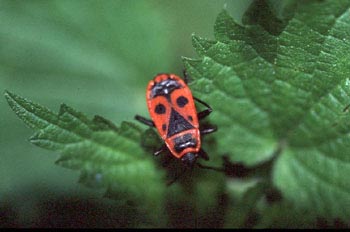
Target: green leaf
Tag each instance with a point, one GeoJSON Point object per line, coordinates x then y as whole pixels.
{"type": "Point", "coordinates": [243, 197]}
{"type": "Point", "coordinates": [283, 214]}
{"type": "Point", "coordinates": [107, 156]}
{"type": "Point", "coordinates": [281, 83]}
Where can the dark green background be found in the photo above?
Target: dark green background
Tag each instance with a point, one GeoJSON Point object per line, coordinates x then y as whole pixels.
{"type": "Point", "coordinates": [96, 56]}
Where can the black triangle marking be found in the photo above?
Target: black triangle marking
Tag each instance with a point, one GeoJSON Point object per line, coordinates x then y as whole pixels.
{"type": "Point", "coordinates": [177, 123]}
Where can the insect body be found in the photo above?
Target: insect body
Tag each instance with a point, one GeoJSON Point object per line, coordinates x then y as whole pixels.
{"type": "Point", "coordinates": [173, 112]}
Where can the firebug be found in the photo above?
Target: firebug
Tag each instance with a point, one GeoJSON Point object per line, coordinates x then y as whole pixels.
{"type": "Point", "coordinates": [173, 113]}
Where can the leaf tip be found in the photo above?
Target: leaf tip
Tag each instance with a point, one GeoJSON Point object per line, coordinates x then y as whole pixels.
{"type": "Point", "coordinates": [104, 123]}
{"type": "Point", "coordinates": [63, 108]}
{"type": "Point", "coordinates": [224, 10]}
{"type": "Point", "coordinates": [195, 37]}
{"type": "Point", "coordinates": [11, 99]}
{"type": "Point", "coordinates": [185, 59]}
{"type": "Point", "coordinates": [34, 138]}
{"type": "Point", "coordinates": [8, 95]}
{"type": "Point", "coordinates": [223, 14]}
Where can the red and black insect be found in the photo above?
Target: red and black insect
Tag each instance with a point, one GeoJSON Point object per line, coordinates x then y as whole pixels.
{"type": "Point", "coordinates": [173, 112]}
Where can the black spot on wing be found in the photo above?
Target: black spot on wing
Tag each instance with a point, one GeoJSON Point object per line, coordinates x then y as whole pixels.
{"type": "Point", "coordinates": [160, 109]}
{"type": "Point", "coordinates": [181, 101]}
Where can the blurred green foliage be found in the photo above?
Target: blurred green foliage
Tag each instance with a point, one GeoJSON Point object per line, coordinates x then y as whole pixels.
{"type": "Point", "coordinates": [278, 81]}
{"type": "Point", "coordinates": [96, 56]}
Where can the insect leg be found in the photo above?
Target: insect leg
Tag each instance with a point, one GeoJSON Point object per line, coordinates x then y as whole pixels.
{"type": "Point", "coordinates": [210, 167]}
{"type": "Point", "coordinates": [208, 130]}
{"type": "Point", "coordinates": [145, 121]}
{"type": "Point", "coordinates": [205, 112]}
{"type": "Point", "coordinates": [203, 154]}
{"type": "Point", "coordinates": [160, 150]}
